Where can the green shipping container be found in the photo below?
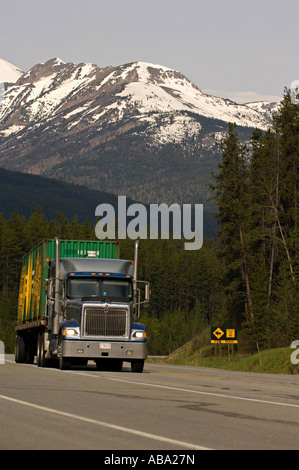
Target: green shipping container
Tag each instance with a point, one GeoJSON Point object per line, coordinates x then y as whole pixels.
{"type": "Point", "coordinates": [35, 271]}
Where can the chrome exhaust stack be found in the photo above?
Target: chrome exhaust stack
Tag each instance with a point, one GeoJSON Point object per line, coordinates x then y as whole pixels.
{"type": "Point", "coordinates": [136, 291]}
{"type": "Point", "coordinates": [57, 300]}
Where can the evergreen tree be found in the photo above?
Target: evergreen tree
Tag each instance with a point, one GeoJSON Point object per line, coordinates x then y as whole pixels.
{"type": "Point", "coordinates": [231, 196]}
{"type": "Point", "coordinates": [261, 230]}
{"type": "Point", "coordinates": [286, 126]}
{"type": "Point", "coordinates": [36, 227]}
{"type": "Point", "coordinates": [272, 229]}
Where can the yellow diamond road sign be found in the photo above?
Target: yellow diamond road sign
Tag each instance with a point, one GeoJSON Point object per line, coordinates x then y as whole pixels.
{"type": "Point", "coordinates": [223, 335]}
{"type": "Point", "coordinates": [218, 333]}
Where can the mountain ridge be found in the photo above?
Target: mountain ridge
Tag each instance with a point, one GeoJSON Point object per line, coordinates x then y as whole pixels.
{"type": "Point", "coordinates": [138, 128]}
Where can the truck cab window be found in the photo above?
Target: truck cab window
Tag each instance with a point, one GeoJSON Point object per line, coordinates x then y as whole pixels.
{"type": "Point", "coordinates": [117, 288]}
{"type": "Point", "coordinates": [81, 287]}
{"type": "Point", "coordinates": [94, 287]}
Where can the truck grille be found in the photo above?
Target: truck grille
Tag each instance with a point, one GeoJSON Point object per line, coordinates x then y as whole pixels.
{"type": "Point", "coordinates": [104, 322]}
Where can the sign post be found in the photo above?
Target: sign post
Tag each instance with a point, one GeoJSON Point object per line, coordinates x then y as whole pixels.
{"type": "Point", "coordinates": [223, 335]}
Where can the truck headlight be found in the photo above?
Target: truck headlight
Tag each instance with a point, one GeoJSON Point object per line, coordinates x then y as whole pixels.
{"type": "Point", "coordinates": [139, 334]}
{"type": "Point", "coordinates": [71, 332]}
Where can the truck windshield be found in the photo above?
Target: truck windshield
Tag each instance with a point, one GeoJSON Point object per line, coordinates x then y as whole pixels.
{"type": "Point", "coordinates": [113, 289]}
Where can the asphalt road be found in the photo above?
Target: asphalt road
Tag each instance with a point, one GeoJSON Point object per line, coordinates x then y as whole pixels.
{"type": "Point", "coordinates": [165, 407]}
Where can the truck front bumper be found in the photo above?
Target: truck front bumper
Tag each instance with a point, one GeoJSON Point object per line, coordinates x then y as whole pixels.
{"type": "Point", "coordinates": [126, 351]}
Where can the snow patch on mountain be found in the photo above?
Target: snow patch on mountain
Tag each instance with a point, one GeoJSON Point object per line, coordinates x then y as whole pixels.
{"type": "Point", "coordinates": [67, 94]}
{"type": "Point", "coordinates": [9, 72]}
{"type": "Point", "coordinates": [174, 129]}
{"type": "Point", "coordinates": [168, 90]}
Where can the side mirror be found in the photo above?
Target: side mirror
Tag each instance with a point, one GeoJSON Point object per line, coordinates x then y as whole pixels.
{"type": "Point", "coordinates": [147, 292]}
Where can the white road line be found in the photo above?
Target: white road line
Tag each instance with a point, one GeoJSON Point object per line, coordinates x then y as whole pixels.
{"type": "Point", "coordinates": [135, 432]}
{"type": "Point", "coordinates": [166, 387]}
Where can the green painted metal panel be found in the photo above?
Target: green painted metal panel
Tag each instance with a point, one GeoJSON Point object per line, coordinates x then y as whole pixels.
{"type": "Point", "coordinates": [35, 271]}
{"type": "Point", "coordinates": [80, 248]}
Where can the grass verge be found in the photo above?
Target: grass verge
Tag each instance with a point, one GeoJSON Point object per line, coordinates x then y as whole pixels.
{"type": "Point", "coordinates": [274, 361]}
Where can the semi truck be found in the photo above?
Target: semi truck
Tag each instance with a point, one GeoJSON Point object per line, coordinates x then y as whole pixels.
{"type": "Point", "coordinates": [79, 302]}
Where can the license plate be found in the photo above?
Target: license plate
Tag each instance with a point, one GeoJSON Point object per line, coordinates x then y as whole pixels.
{"type": "Point", "coordinates": [105, 345]}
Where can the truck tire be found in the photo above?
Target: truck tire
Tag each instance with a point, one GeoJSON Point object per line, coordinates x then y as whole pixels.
{"type": "Point", "coordinates": [64, 363]}
{"type": "Point", "coordinates": [30, 350]}
{"type": "Point", "coordinates": [137, 365]}
{"type": "Point", "coordinates": [20, 352]}
{"type": "Point", "coordinates": [40, 356]}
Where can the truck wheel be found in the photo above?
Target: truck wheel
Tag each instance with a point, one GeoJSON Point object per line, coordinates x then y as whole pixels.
{"type": "Point", "coordinates": [137, 365]}
{"type": "Point", "coordinates": [30, 349]}
{"type": "Point", "coordinates": [64, 363]}
{"type": "Point", "coordinates": [40, 356]}
{"type": "Point", "coordinates": [20, 352]}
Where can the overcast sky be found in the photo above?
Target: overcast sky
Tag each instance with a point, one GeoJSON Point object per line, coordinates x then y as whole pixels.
{"type": "Point", "coordinates": [222, 46]}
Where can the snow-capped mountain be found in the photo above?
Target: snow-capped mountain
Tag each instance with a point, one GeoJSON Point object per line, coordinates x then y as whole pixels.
{"type": "Point", "coordinates": [115, 128]}
{"type": "Point", "coordinates": [8, 72]}
{"type": "Point", "coordinates": [55, 89]}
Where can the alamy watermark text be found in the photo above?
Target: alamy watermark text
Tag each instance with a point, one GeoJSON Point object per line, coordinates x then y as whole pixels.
{"type": "Point", "coordinates": [146, 223]}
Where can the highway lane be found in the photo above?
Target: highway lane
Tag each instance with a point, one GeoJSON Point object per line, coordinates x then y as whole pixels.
{"type": "Point", "coordinates": [165, 407]}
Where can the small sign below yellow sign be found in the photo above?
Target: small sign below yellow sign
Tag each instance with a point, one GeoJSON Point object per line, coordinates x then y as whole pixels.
{"type": "Point", "coordinates": [221, 334]}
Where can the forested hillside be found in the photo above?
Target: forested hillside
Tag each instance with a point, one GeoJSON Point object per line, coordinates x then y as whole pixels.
{"type": "Point", "coordinates": [258, 230]}
{"type": "Point", "coordinates": [247, 278]}
{"type": "Point", "coordinates": [25, 192]}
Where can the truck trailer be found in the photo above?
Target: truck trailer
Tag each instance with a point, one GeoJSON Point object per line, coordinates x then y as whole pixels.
{"type": "Point", "coordinates": [78, 302]}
